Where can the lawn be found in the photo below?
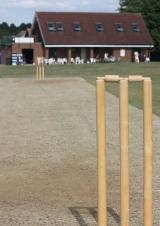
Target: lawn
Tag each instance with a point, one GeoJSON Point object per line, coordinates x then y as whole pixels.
{"type": "Point", "coordinates": [90, 72]}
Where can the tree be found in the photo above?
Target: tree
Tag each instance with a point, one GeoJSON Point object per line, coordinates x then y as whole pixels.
{"type": "Point", "coordinates": [150, 10]}
{"type": "Point", "coordinates": [4, 26]}
{"type": "Point", "coordinates": [4, 29]}
{"type": "Point", "coordinates": [133, 6]}
{"type": "Point", "coordinates": [23, 27]}
{"type": "Point", "coordinates": [12, 28]}
{"type": "Point", "coordinates": [7, 32]}
{"type": "Point", "coordinates": [151, 13]}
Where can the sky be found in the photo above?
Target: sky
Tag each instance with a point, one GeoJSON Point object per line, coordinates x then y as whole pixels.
{"type": "Point", "coordinates": [14, 11]}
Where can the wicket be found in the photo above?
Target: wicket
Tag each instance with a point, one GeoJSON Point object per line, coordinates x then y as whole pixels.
{"type": "Point", "coordinates": [124, 169]}
{"type": "Point", "coordinates": [40, 72]}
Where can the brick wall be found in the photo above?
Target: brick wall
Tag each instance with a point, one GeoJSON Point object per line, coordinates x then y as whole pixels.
{"type": "Point", "coordinates": [6, 55]}
{"type": "Point", "coordinates": [38, 50]}
{"type": "Point", "coordinates": [46, 53]}
{"type": "Point", "coordinates": [127, 57]}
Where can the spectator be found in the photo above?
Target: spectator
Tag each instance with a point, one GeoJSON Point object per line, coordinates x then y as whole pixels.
{"type": "Point", "coordinates": [77, 60]}
{"type": "Point", "coordinates": [72, 60]}
{"type": "Point", "coordinates": [136, 56]}
{"type": "Point", "coordinates": [147, 59]}
{"type": "Point", "coordinates": [106, 57]}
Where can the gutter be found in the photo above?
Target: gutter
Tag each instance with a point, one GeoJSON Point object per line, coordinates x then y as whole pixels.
{"type": "Point", "coordinates": [100, 46]}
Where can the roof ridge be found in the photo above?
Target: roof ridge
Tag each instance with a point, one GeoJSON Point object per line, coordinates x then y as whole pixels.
{"type": "Point", "coordinates": [68, 12]}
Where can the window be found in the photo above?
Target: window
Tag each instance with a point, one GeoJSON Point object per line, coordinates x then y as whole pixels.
{"type": "Point", "coordinates": [77, 27]}
{"type": "Point", "coordinates": [59, 26]}
{"type": "Point", "coordinates": [99, 27]}
{"type": "Point", "coordinates": [119, 27]}
{"type": "Point", "coordinates": [135, 27]}
{"type": "Point", "coordinates": [51, 27]}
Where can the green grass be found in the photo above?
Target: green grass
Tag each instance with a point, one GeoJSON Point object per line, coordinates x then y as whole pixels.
{"type": "Point", "coordinates": [90, 72]}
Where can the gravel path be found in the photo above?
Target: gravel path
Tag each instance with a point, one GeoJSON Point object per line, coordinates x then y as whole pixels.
{"type": "Point", "coordinates": [48, 155]}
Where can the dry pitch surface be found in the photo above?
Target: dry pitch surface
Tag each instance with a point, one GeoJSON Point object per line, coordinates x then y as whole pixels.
{"type": "Point", "coordinates": [48, 155]}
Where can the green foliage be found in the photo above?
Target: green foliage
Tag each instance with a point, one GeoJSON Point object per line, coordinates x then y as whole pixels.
{"type": "Point", "coordinates": [6, 41]}
{"type": "Point", "coordinates": [133, 6]}
{"type": "Point", "coordinates": [11, 30]}
{"type": "Point", "coordinates": [151, 13]}
{"type": "Point", "coordinates": [23, 26]}
{"type": "Point", "coordinates": [150, 10]}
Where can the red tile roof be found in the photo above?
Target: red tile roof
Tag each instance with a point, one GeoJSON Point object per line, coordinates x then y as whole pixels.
{"type": "Point", "coordinates": [89, 35]}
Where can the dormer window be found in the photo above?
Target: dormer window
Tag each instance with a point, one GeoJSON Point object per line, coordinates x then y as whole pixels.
{"type": "Point", "coordinates": [59, 26]}
{"type": "Point", "coordinates": [119, 27]}
{"type": "Point", "coordinates": [77, 27]}
{"type": "Point", "coordinates": [99, 27]}
{"type": "Point", "coordinates": [51, 27]}
{"type": "Point", "coordinates": [135, 27]}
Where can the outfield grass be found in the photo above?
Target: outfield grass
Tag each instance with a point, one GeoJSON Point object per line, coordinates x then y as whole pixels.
{"type": "Point", "coordinates": [90, 72]}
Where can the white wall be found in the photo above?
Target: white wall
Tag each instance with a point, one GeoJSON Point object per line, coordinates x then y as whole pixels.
{"type": "Point", "coordinates": [23, 40]}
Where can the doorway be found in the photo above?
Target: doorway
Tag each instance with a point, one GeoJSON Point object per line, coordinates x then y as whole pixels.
{"type": "Point", "coordinates": [27, 56]}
